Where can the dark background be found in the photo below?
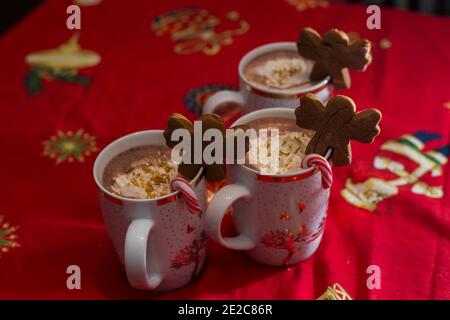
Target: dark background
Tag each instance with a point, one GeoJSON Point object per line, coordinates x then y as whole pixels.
{"type": "Point", "coordinates": [13, 11]}
{"type": "Point", "coordinates": [437, 7]}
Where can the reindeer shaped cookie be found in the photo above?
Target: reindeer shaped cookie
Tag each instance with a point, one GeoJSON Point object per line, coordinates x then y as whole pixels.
{"type": "Point", "coordinates": [215, 171]}
{"type": "Point", "coordinates": [334, 54]}
{"type": "Point", "coordinates": [335, 125]}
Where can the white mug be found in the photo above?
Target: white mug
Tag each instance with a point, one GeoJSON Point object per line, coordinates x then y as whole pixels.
{"type": "Point", "coordinates": [161, 243]}
{"type": "Point", "coordinates": [280, 218]}
{"type": "Point", "coordinates": [251, 96]}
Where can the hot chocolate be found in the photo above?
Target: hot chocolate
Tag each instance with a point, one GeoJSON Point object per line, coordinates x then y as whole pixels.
{"type": "Point", "coordinates": [292, 141]}
{"type": "Point", "coordinates": [282, 69]}
{"type": "Point", "coordinates": [143, 172]}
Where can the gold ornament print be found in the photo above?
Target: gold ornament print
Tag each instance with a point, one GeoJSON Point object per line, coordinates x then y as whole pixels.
{"type": "Point", "coordinates": [368, 194]}
{"type": "Point", "coordinates": [335, 292]}
{"type": "Point", "coordinates": [62, 63]}
{"type": "Point", "coordinates": [196, 30]}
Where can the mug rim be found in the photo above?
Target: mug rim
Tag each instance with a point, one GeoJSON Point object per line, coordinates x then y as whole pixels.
{"type": "Point", "coordinates": [278, 112]}
{"type": "Point", "coordinates": [104, 151]}
{"type": "Point", "coordinates": [260, 90]}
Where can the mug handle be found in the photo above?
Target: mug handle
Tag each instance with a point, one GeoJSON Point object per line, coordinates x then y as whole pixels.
{"type": "Point", "coordinates": [217, 208]}
{"type": "Point", "coordinates": [136, 256]}
{"type": "Point", "coordinates": [220, 97]}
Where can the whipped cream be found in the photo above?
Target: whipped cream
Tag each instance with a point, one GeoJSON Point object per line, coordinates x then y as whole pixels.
{"type": "Point", "coordinates": [145, 181]}
{"type": "Point", "coordinates": [283, 73]}
{"type": "Point", "coordinates": [291, 151]}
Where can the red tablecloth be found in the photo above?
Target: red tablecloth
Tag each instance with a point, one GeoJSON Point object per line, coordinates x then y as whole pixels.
{"type": "Point", "coordinates": [50, 214]}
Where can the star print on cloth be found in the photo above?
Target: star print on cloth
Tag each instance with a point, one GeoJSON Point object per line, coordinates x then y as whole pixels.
{"type": "Point", "coordinates": [8, 236]}
{"type": "Point", "coordinates": [69, 146]}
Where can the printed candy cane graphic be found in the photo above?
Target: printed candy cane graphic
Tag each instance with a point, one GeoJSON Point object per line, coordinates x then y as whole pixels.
{"type": "Point", "coordinates": [188, 194]}
{"type": "Point", "coordinates": [323, 165]}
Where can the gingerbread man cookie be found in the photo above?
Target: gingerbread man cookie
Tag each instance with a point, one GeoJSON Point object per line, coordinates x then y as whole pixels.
{"type": "Point", "coordinates": [334, 54]}
{"type": "Point", "coordinates": [335, 125]}
{"type": "Point", "coordinates": [215, 171]}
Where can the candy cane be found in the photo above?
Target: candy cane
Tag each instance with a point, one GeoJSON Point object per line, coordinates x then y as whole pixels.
{"type": "Point", "coordinates": [315, 160]}
{"type": "Point", "coordinates": [188, 193]}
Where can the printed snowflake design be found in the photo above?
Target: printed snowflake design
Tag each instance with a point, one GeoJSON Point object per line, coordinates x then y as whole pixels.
{"type": "Point", "coordinates": [69, 146]}
{"type": "Point", "coordinates": [8, 236]}
{"type": "Point", "coordinates": [302, 5]}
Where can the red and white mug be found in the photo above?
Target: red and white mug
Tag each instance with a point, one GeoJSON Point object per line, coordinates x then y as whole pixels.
{"type": "Point", "coordinates": [252, 97]}
{"type": "Point", "coordinates": [280, 218]}
{"type": "Point", "coordinates": [161, 241]}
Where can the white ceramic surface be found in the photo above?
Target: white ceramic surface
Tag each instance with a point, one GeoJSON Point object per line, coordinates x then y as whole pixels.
{"type": "Point", "coordinates": [161, 244]}
{"type": "Point", "coordinates": [280, 218]}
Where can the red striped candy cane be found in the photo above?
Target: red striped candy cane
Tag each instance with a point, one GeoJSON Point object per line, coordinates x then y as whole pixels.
{"type": "Point", "coordinates": [315, 160]}
{"type": "Point", "coordinates": [188, 193]}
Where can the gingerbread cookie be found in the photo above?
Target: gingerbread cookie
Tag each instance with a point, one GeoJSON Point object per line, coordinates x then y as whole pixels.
{"type": "Point", "coordinates": [335, 125]}
{"type": "Point", "coordinates": [215, 171]}
{"type": "Point", "coordinates": [334, 54]}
